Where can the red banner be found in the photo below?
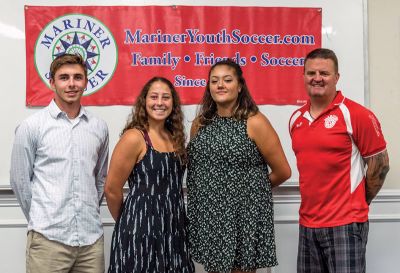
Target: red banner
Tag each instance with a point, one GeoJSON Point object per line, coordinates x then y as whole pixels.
{"type": "Point", "coordinates": [126, 46]}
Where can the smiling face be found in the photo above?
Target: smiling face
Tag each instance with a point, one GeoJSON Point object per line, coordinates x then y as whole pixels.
{"type": "Point", "coordinates": [159, 102]}
{"type": "Point", "coordinates": [68, 82]}
{"type": "Point", "coordinates": [224, 86]}
{"type": "Point", "coordinates": [320, 79]}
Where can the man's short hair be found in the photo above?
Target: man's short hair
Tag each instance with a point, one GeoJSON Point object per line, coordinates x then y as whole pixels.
{"type": "Point", "coordinates": [67, 59]}
{"type": "Point", "coordinates": [323, 53]}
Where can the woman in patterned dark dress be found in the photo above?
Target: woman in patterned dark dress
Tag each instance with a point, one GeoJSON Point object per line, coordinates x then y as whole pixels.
{"type": "Point", "coordinates": [150, 229]}
{"type": "Point", "coordinates": [229, 183]}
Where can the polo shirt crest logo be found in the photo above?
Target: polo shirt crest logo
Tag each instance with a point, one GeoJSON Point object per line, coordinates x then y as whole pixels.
{"type": "Point", "coordinates": [330, 121]}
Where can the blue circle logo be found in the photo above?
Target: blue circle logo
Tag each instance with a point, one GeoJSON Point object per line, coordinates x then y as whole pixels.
{"type": "Point", "coordinates": [78, 34]}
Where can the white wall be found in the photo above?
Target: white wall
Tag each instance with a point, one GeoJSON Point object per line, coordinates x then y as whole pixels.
{"type": "Point", "coordinates": [384, 70]}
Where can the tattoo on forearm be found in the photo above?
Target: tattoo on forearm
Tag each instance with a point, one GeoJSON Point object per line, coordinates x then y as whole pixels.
{"type": "Point", "coordinates": [378, 167]}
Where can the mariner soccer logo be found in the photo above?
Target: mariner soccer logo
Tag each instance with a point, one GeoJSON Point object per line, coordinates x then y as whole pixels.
{"type": "Point", "coordinates": [78, 34]}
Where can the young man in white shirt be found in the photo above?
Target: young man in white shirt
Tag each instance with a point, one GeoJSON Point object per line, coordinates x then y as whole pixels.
{"type": "Point", "coordinates": [58, 168]}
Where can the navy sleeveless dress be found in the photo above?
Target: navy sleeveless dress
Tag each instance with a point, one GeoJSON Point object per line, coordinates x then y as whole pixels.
{"type": "Point", "coordinates": [150, 236]}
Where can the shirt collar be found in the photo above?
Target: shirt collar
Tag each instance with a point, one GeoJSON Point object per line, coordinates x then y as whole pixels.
{"type": "Point", "coordinates": [55, 111]}
{"type": "Point", "coordinates": [339, 98]}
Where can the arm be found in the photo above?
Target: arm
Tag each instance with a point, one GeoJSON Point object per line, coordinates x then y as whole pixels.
{"type": "Point", "coordinates": [377, 168]}
{"type": "Point", "coordinates": [101, 167]}
{"type": "Point", "coordinates": [263, 134]}
{"type": "Point", "coordinates": [128, 150]}
{"type": "Point", "coordinates": [21, 171]}
{"type": "Point", "coordinates": [194, 128]}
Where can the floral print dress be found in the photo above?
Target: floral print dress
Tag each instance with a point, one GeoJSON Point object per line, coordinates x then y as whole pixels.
{"type": "Point", "coordinates": [230, 205]}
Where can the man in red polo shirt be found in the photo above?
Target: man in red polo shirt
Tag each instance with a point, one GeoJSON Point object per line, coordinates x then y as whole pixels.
{"type": "Point", "coordinates": [342, 161]}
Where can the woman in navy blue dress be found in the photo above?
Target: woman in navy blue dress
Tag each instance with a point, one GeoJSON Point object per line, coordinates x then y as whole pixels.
{"type": "Point", "coordinates": [150, 231]}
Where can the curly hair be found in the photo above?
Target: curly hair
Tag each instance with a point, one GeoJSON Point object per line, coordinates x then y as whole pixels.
{"type": "Point", "coordinates": [245, 108]}
{"type": "Point", "coordinates": [174, 124]}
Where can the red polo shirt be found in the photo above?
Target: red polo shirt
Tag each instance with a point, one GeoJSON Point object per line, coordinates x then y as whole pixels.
{"type": "Point", "coordinates": [329, 152]}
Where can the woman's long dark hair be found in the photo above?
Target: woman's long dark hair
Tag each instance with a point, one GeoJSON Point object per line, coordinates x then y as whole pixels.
{"type": "Point", "coordinates": [245, 107]}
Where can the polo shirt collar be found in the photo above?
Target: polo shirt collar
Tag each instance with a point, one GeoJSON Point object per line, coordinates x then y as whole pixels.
{"type": "Point", "coordinates": [336, 101]}
{"type": "Point", "coordinates": [339, 98]}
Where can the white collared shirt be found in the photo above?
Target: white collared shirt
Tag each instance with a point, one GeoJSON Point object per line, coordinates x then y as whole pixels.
{"type": "Point", "coordinates": [58, 170]}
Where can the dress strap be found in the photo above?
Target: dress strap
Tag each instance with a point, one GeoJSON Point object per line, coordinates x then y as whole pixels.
{"type": "Point", "coordinates": [147, 138]}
